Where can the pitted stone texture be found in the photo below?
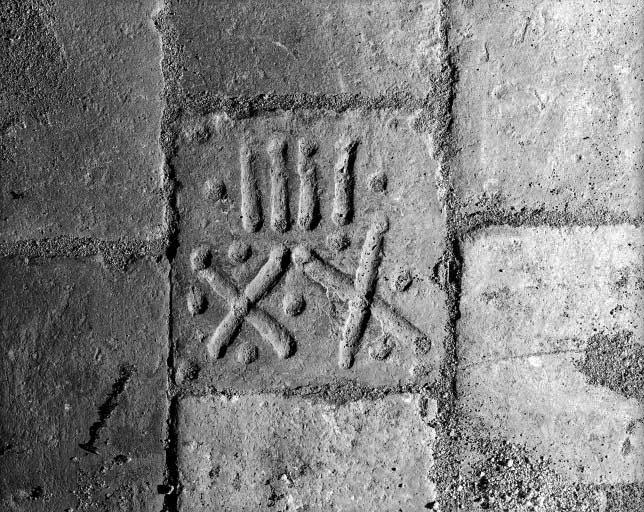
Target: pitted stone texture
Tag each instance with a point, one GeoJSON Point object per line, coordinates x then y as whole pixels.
{"type": "Point", "coordinates": [292, 46]}
{"type": "Point", "coordinates": [549, 106]}
{"type": "Point", "coordinates": [550, 342]}
{"type": "Point", "coordinates": [80, 109]}
{"type": "Point", "coordinates": [73, 335]}
{"type": "Point", "coordinates": [414, 239]}
{"type": "Point", "coordinates": [268, 453]}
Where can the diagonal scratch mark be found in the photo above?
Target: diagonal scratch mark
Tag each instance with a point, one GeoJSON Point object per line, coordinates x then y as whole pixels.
{"type": "Point", "coordinates": [493, 360]}
{"type": "Point", "coordinates": [106, 408]}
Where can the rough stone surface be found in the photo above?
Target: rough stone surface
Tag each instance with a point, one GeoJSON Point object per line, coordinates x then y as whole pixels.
{"type": "Point", "coordinates": [415, 238]}
{"type": "Point", "coordinates": [550, 347]}
{"type": "Point", "coordinates": [549, 107]}
{"type": "Point", "coordinates": [294, 46]}
{"type": "Point", "coordinates": [350, 255]}
{"type": "Point", "coordinates": [267, 453]}
{"type": "Point", "coordinates": [507, 476]}
{"type": "Point", "coordinates": [83, 364]}
{"type": "Point", "coordinates": [80, 110]}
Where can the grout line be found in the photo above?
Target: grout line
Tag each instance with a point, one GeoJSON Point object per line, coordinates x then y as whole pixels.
{"type": "Point", "coordinates": [446, 469]}
{"type": "Point", "coordinates": [172, 484]}
{"type": "Point", "coordinates": [117, 253]}
{"type": "Point", "coordinates": [469, 224]}
{"type": "Point", "coordinates": [167, 141]}
{"type": "Point", "coordinates": [240, 107]}
{"type": "Point", "coordinates": [333, 393]}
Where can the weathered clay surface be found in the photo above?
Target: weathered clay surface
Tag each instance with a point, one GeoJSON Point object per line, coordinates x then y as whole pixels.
{"type": "Point", "coordinates": [83, 386]}
{"type": "Point", "coordinates": [549, 107]}
{"type": "Point", "coordinates": [80, 110]}
{"type": "Point", "coordinates": [294, 46]}
{"type": "Point", "coordinates": [240, 177]}
{"type": "Point", "coordinates": [267, 453]}
{"type": "Point", "coordinates": [550, 346]}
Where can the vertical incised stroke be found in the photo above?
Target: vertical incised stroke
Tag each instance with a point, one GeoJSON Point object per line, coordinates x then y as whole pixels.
{"type": "Point", "coordinates": [251, 208]}
{"type": "Point", "coordinates": [364, 285]}
{"type": "Point", "coordinates": [343, 176]}
{"type": "Point", "coordinates": [306, 168]}
{"type": "Point", "coordinates": [279, 185]}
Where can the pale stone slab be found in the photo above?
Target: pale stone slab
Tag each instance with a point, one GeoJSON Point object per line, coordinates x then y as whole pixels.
{"type": "Point", "coordinates": [285, 46]}
{"type": "Point", "coordinates": [551, 346]}
{"type": "Point", "coordinates": [258, 452]}
{"type": "Point", "coordinates": [81, 97]}
{"type": "Point", "coordinates": [83, 393]}
{"type": "Point", "coordinates": [549, 107]}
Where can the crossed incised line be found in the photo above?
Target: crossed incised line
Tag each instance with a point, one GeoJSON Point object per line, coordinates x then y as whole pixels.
{"type": "Point", "coordinates": [359, 295]}
{"type": "Point", "coordinates": [243, 305]}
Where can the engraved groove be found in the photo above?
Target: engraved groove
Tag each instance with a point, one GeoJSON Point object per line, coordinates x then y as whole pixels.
{"type": "Point", "coordinates": [364, 285]}
{"type": "Point", "coordinates": [259, 285]}
{"type": "Point", "coordinates": [242, 306]}
{"type": "Point", "coordinates": [251, 208]}
{"type": "Point", "coordinates": [340, 285]}
{"type": "Point", "coordinates": [267, 276]}
{"type": "Point", "coordinates": [343, 176]}
{"type": "Point", "coordinates": [367, 270]}
{"type": "Point", "coordinates": [279, 185]}
{"type": "Point", "coordinates": [394, 323]}
{"type": "Point", "coordinates": [308, 208]}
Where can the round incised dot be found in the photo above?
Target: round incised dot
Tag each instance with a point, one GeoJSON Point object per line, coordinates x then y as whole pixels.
{"type": "Point", "coordinates": [338, 242]}
{"type": "Point", "coordinates": [380, 222]}
{"type": "Point", "coordinates": [393, 123]}
{"type": "Point", "coordinates": [239, 251]}
{"type": "Point", "coordinates": [293, 303]}
{"type": "Point", "coordinates": [381, 348]}
{"type": "Point", "coordinates": [196, 301]}
{"type": "Point", "coordinates": [200, 258]}
{"type": "Point", "coordinates": [400, 280]}
{"type": "Point", "coordinates": [215, 190]}
{"type": "Point", "coordinates": [378, 182]}
{"type": "Point", "coordinates": [247, 353]}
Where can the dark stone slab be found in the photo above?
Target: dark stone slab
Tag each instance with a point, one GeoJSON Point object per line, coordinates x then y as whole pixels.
{"type": "Point", "coordinates": [83, 379]}
{"type": "Point", "coordinates": [80, 107]}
